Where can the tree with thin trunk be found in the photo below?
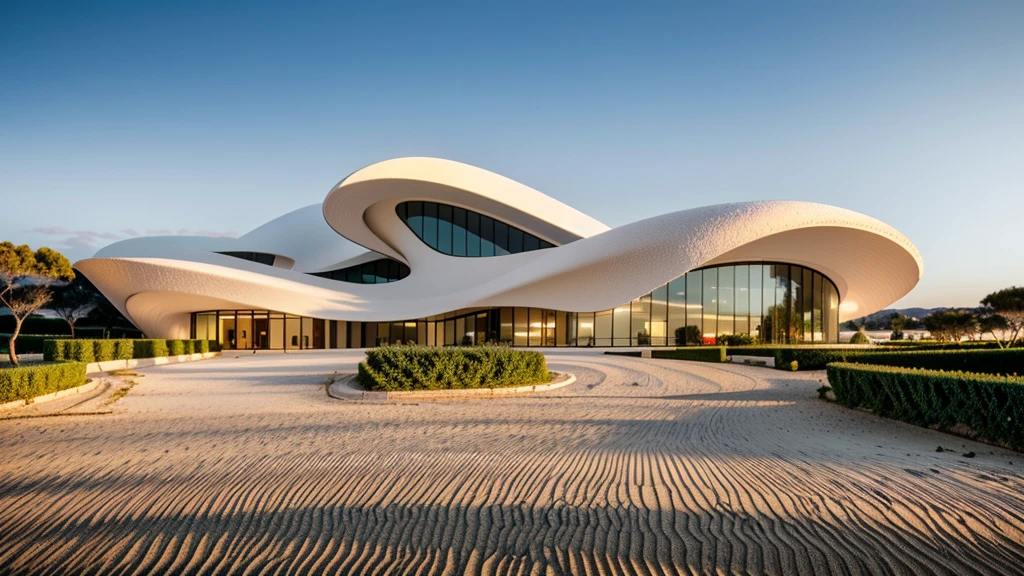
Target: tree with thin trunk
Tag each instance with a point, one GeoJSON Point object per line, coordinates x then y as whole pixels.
{"type": "Point", "coordinates": [1008, 303]}
{"type": "Point", "coordinates": [993, 323]}
{"type": "Point", "coordinates": [25, 278]}
{"type": "Point", "coordinates": [72, 301]}
{"type": "Point", "coordinates": [953, 325]}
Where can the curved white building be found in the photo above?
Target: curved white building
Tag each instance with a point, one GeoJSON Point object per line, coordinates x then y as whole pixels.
{"type": "Point", "coordinates": [437, 252]}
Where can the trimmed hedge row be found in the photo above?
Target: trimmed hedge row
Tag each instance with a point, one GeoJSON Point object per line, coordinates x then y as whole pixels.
{"type": "Point", "coordinates": [27, 382]}
{"type": "Point", "coordinates": [768, 351]}
{"type": "Point", "coordinates": [697, 353]}
{"type": "Point", "coordinates": [992, 406]}
{"type": "Point", "coordinates": [122, 349]}
{"type": "Point", "coordinates": [27, 343]}
{"type": "Point", "coordinates": [978, 361]}
{"type": "Point", "coordinates": [391, 368]}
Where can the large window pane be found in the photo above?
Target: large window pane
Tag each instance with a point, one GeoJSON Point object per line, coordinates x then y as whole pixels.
{"type": "Point", "coordinates": [677, 311]}
{"type": "Point", "coordinates": [500, 238]}
{"type": "Point", "coordinates": [536, 327]}
{"type": "Point", "coordinates": [621, 326]}
{"type": "Point", "coordinates": [444, 229]}
{"type": "Point", "coordinates": [486, 236]}
{"type": "Point", "coordinates": [472, 234]}
{"type": "Point", "coordinates": [561, 328]}
{"type": "Point", "coordinates": [522, 327]}
{"type": "Point", "coordinates": [277, 332]}
{"type": "Point", "coordinates": [585, 329]}
{"type": "Point", "coordinates": [806, 301]}
{"type": "Point", "coordinates": [450, 335]}
{"type": "Point", "coordinates": [415, 215]}
{"type": "Point", "coordinates": [726, 304]}
{"type": "Point", "coordinates": [515, 240]}
{"type": "Point", "coordinates": [640, 331]}
{"type": "Point", "coordinates": [710, 302]}
{"type": "Point", "coordinates": [549, 328]}
{"type": "Point", "coordinates": [460, 330]}
{"type": "Point", "coordinates": [831, 305]}
{"type": "Point", "coordinates": [768, 309]}
{"type": "Point", "coordinates": [796, 311]}
{"type": "Point", "coordinates": [430, 224]}
{"type": "Point", "coordinates": [694, 307]}
{"type": "Point", "coordinates": [292, 332]}
{"type": "Point", "coordinates": [507, 327]}
{"type": "Point", "coordinates": [816, 308]}
{"type": "Point", "coordinates": [780, 326]}
{"type": "Point", "coordinates": [244, 331]}
{"type": "Point", "coordinates": [741, 296]}
{"type": "Point", "coordinates": [659, 316]}
{"type": "Point", "coordinates": [530, 243]}
{"type": "Point", "coordinates": [603, 328]}
{"type": "Point", "coordinates": [307, 333]}
{"type": "Point", "coordinates": [459, 232]}
{"type": "Point", "coordinates": [755, 301]}
{"type": "Point", "coordinates": [226, 322]}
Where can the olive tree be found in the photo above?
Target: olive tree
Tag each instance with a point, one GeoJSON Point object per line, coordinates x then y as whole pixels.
{"type": "Point", "coordinates": [952, 325]}
{"type": "Point", "coordinates": [1008, 303]}
{"type": "Point", "coordinates": [25, 279]}
{"type": "Point", "coordinates": [72, 301]}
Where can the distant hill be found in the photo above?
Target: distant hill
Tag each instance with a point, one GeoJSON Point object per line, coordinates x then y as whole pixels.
{"type": "Point", "coordinates": [880, 320]}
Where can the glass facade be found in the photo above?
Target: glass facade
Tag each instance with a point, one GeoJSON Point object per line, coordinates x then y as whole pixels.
{"type": "Point", "coordinates": [459, 232]}
{"type": "Point", "coordinates": [379, 271]}
{"type": "Point", "coordinates": [258, 257]}
{"type": "Point", "coordinates": [773, 302]}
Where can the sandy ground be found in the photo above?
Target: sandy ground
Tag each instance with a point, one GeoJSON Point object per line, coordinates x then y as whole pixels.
{"type": "Point", "coordinates": [244, 465]}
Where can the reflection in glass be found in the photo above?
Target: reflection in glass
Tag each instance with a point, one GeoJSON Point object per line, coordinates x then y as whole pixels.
{"type": "Point", "coordinates": [726, 305]}
{"type": "Point", "coordinates": [522, 328]}
{"type": "Point", "coordinates": [430, 224]}
{"type": "Point", "coordinates": [585, 329]}
{"type": "Point", "coordinates": [458, 231]}
{"type": "Point", "coordinates": [755, 301]}
{"type": "Point", "coordinates": [676, 310]}
{"type": "Point", "coordinates": [659, 316]}
{"type": "Point", "coordinates": [603, 328]}
{"type": "Point", "coordinates": [741, 294]}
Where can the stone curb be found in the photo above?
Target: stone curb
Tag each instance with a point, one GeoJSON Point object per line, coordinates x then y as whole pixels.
{"type": "Point", "coordinates": [96, 367]}
{"type": "Point", "coordinates": [88, 387]}
{"type": "Point", "coordinates": [346, 388]}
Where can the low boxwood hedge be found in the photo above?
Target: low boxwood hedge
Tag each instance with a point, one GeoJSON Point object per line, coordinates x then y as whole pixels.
{"type": "Point", "coordinates": [992, 406]}
{"type": "Point", "coordinates": [980, 361]}
{"type": "Point", "coordinates": [392, 368]}
{"type": "Point", "coordinates": [27, 343]}
{"type": "Point", "coordinates": [697, 353]}
{"type": "Point", "coordinates": [27, 382]}
{"type": "Point", "coordinates": [121, 349]}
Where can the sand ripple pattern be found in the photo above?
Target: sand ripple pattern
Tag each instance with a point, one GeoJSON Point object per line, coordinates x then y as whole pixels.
{"type": "Point", "coordinates": [641, 467]}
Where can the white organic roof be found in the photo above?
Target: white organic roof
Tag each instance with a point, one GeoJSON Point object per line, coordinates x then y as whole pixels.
{"type": "Point", "coordinates": [158, 282]}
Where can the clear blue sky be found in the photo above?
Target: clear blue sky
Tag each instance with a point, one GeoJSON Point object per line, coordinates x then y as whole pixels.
{"type": "Point", "coordinates": [123, 119]}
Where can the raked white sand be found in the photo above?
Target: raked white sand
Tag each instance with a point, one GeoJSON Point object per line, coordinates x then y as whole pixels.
{"type": "Point", "coordinates": [243, 464]}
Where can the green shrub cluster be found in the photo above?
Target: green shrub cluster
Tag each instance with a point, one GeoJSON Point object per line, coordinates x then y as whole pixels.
{"type": "Point", "coordinates": [27, 343]}
{"type": "Point", "coordinates": [121, 349]}
{"type": "Point", "coordinates": [697, 353]}
{"type": "Point", "coordinates": [734, 339]}
{"type": "Point", "coordinates": [992, 406]}
{"type": "Point", "coordinates": [27, 382]}
{"type": "Point", "coordinates": [392, 368]}
{"type": "Point", "coordinates": [979, 361]}
{"type": "Point", "coordinates": [860, 338]}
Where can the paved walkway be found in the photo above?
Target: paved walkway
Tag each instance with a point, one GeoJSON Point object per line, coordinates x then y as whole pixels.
{"type": "Point", "coordinates": [243, 463]}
